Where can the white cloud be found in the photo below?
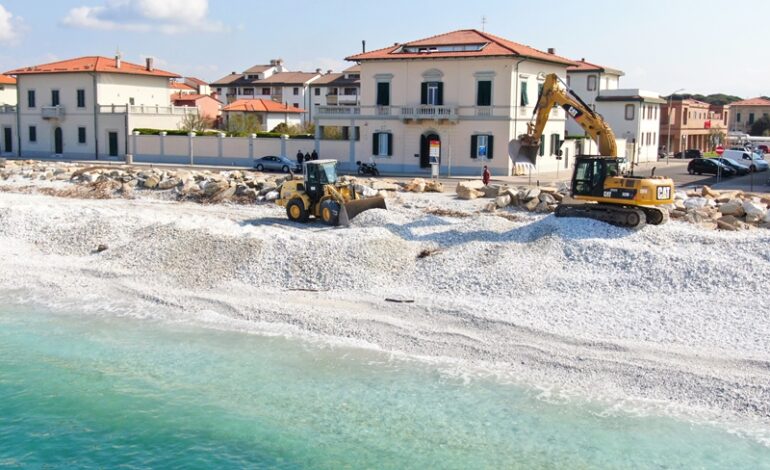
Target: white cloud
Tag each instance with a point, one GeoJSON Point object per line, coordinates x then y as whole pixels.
{"type": "Point", "coordinates": [9, 26]}
{"type": "Point", "coordinates": [168, 16]}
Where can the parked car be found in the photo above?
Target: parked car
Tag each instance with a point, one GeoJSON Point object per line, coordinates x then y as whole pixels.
{"type": "Point", "coordinates": [740, 168]}
{"type": "Point", "coordinates": [273, 163]}
{"type": "Point", "coordinates": [709, 166]}
{"type": "Point", "coordinates": [763, 147]}
{"type": "Point", "coordinates": [744, 157]}
{"type": "Point", "coordinates": [689, 153]}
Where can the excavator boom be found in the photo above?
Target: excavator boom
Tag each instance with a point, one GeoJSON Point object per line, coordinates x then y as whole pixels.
{"type": "Point", "coordinates": [596, 180]}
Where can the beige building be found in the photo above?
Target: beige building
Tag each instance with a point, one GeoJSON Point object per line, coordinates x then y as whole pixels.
{"type": "Point", "coordinates": [85, 108]}
{"type": "Point", "coordinates": [743, 113]}
{"type": "Point", "coordinates": [461, 96]}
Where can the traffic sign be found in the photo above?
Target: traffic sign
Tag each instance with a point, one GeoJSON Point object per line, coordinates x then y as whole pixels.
{"type": "Point", "coordinates": [719, 150]}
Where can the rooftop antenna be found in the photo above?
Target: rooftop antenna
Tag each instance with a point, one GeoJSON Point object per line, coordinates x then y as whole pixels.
{"type": "Point", "coordinates": [483, 23]}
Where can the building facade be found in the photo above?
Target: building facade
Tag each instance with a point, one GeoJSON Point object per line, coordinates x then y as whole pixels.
{"type": "Point", "coordinates": [267, 114]}
{"type": "Point", "coordinates": [692, 124]}
{"type": "Point", "coordinates": [744, 113]}
{"type": "Point", "coordinates": [458, 98]}
{"type": "Point", "coordinates": [7, 91]}
{"type": "Point", "coordinates": [634, 116]}
{"type": "Point", "coordinates": [336, 89]}
{"type": "Point", "coordinates": [588, 81]}
{"type": "Point", "coordinates": [85, 108]}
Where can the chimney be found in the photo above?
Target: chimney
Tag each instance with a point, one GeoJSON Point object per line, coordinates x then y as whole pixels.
{"type": "Point", "coordinates": [273, 62]}
{"type": "Point", "coordinates": [148, 64]}
{"type": "Point", "coordinates": [232, 73]}
{"type": "Point", "coordinates": [318, 71]}
{"type": "Point", "coordinates": [582, 59]}
{"type": "Point", "coordinates": [328, 71]}
{"type": "Point", "coordinates": [551, 50]}
{"type": "Point", "coordinates": [117, 61]}
{"type": "Point", "coordinates": [363, 46]}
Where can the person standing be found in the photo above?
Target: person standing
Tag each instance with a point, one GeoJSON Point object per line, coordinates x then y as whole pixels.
{"type": "Point", "coordinates": [307, 156]}
{"type": "Point", "coordinates": [314, 155]}
{"type": "Point", "coordinates": [485, 175]}
{"type": "Point", "coordinates": [300, 157]}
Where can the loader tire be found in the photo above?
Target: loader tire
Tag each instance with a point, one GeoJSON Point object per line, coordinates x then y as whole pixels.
{"type": "Point", "coordinates": [330, 212]}
{"type": "Point", "coordinates": [296, 211]}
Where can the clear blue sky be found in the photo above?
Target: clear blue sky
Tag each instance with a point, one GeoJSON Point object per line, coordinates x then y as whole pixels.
{"type": "Point", "coordinates": [704, 46]}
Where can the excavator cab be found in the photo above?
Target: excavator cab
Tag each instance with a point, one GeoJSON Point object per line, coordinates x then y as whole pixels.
{"type": "Point", "coordinates": [590, 174]}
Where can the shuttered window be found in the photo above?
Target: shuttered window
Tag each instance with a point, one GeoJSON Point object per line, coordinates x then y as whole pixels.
{"type": "Point", "coordinates": [382, 144]}
{"type": "Point", "coordinates": [482, 146]}
{"type": "Point", "coordinates": [484, 93]}
{"type": "Point", "coordinates": [524, 101]}
{"type": "Point", "coordinates": [383, 93]}
{"type": "Point", "coordinates": [432, 93]}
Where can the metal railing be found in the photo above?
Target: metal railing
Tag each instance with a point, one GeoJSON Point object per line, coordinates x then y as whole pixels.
{"type": "Point", "coordinates": [435, 112]}
{"type": "Point", "coordinates": [147, 109]}
{"type": "Point", "coordinates": [7, 109]}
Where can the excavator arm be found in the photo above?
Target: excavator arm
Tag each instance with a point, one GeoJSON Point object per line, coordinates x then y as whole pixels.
{"type": "Point", "coordinates": [525, 149]}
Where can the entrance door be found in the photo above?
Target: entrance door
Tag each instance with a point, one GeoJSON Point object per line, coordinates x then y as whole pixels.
{"type": "Point", "coordinates": [58, 141]}
{"type": "Point", "coordinates": [113, 138]}
{"type": "Point", "coordinates": [7, 140]}
{"type": "Point", "coordinates": [428, 142]}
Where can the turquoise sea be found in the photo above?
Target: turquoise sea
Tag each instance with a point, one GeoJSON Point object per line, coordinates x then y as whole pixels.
{"type": "Point", "coordinates": [87, 391]}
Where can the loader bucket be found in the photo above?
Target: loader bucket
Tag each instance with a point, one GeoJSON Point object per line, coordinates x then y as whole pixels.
{"type": "Point", "coordinates": [523, 152]}
{"type": "Point", "coordinates": [355, 207]}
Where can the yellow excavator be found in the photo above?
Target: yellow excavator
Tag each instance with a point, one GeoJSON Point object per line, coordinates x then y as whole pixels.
{"type": "Point", "coordinates": [320, 193]}
{"type": "Point", "coordinates": [629, 201]}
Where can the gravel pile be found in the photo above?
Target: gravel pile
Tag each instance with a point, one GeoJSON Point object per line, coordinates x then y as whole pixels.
{"type": "Point", "coordinates": [672, 314]}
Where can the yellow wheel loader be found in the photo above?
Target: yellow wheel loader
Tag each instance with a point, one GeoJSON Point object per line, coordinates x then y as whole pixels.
{"type": "Point", "coordinates": [320, 194]}
{"type": "Point", "coordinates": [626, 201]}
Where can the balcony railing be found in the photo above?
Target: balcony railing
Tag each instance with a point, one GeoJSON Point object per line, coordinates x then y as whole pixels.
{"type": "Point", "coordinates": [7, 109]}
{"type": "Point", "coordinates": [427, 112]}
{"type": "Point", "coordinates": [52, 112]}
{"type": "Point", "coordinates": [147, 109]}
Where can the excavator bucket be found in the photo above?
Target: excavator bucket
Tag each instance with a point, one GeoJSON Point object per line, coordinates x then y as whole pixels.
{"type": "Point", "coordinates": [352, 208]}
{"type": "Point", "coordinates": [522, 151]}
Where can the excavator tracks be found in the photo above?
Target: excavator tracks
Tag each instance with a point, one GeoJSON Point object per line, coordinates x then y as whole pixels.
{"type": "Point", "coordinates": [621, 216]}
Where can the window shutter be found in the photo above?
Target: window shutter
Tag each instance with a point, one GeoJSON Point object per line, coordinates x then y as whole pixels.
{"type": "Point", "coordinates": [542, 146]}
{"type": "Point", "coordinates": [390, 144]}
{"type": "Point", "coordinates": [484, 93]}
{"type": "Point", "coordinates": [375, 143]}
{"type": "Point", "coordinates": [490, 146]}
{"type": "Point", "coordinates": [424, 93]}
{"type": "Point", "coordinates": [440, 94]}
{"type": "Point", "coordinates": [383, 94]}
{"type": "Point", "coordinates": [474, 145]}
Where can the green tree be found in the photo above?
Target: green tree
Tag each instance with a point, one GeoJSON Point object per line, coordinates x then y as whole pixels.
{"type": "Point", "coordinates": [242, 124]}
{"type": "Point", "coordinates": [761, 126]}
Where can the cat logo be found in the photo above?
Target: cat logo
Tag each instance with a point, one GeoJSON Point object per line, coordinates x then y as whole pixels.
{"type": "Point", "coordinates": [572, 111]}
{"type": "Point", "coordinates": [664, 192]}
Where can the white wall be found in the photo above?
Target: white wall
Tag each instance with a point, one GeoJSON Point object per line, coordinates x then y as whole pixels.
{"type": "Point", "coordinates": [7, 94]}
{"type": "Point", "coordinates": [116, 88]}
{"type": "Point", "coordinates": [636, 129]}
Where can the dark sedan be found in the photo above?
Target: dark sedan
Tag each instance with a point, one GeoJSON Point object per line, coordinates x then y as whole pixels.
{"type": "Point", "coordinates": [740, 170]}
{"type": "Point", "coordinates": [709, 166]}
{"type": "Point", "coordinates": [273, 163]}
{"type": "Point", "coordinates": [689, 153]}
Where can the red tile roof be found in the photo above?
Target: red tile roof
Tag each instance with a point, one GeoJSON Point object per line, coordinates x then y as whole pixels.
{"type": "Point", "coordinates": [583, 66]}
{"type": "Point", "coordinates": [490, 46]}
{"type": "Point", "coordinates": [196, 81]}
{"type": "Point", "coordinates": [92, 64]}
{"type": "Point", "coordinates": [181, 86]}
{"type": "Point", "coordinates": [261, 106]}
{"type": "Point", "coordinates": [752, 102]}
{"type": "Point", "coordinates": [186, 97]}
{"type": "Point", "coordinates": [6, 80]}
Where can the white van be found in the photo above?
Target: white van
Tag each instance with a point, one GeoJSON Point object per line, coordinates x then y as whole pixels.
{"type": "Point", "coordinates": [745, 157]}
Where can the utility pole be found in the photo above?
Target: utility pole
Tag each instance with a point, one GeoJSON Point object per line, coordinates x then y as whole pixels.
{"type": "Point", "coordinates": [483, 23]}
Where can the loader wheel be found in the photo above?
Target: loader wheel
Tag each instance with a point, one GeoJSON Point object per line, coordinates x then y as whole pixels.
{"type": "Point", "coordinates": [330, 212]}
{"type": "Point", "coordinates": [296, 211]}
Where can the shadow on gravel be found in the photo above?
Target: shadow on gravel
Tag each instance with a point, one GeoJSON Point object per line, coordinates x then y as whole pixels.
{"type": "Point", "coordinates": [549, 226]}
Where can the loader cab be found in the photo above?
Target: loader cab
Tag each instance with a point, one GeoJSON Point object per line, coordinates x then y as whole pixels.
{"type": "Point", "coordinates": [319, 173]}
{"type": "Point", "coordinates": [590, 173]}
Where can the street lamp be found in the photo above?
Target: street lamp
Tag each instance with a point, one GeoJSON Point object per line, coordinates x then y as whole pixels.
{"type": "Point", "coordinates": [668, 148]}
